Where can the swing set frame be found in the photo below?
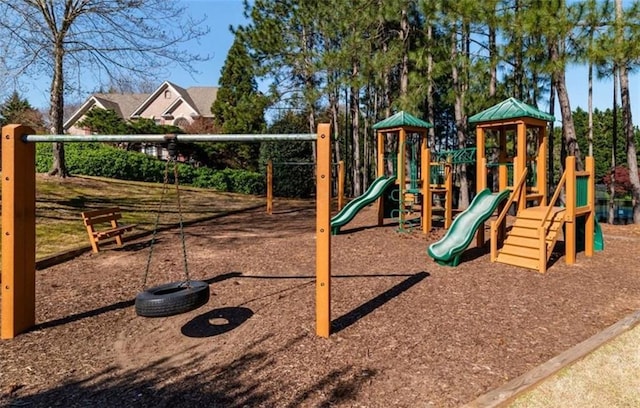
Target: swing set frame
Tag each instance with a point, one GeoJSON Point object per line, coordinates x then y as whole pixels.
{"type": "Point", "coordinates": [19, 216]}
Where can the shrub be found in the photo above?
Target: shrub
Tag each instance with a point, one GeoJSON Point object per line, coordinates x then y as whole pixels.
{"type": "Point", "coordinates": [97, 159]}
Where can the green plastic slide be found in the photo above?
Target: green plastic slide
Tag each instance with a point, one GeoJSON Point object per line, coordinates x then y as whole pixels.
{"type": "Point", "coordinates": [598, 241]}
{"type": "Point", "coordinates": [447, 251]}
{"type": "Point", "coordinates": [598, 237]}
{"type": "Point", "coordinates": [375, 190]}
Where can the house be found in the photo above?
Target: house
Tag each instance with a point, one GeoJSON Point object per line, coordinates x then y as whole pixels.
{"type": "Point", "coordinates": [169, 104]}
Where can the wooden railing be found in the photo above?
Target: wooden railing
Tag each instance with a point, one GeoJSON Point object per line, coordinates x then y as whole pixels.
{"type": "Point", "coordinates": [517, 191]}
{"type": "Point", "coordinates": [556, 195]}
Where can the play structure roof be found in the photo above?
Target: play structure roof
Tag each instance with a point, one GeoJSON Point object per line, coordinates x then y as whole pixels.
{"type": "Point", "coordinates": [509, 109]}
{"type": "Point", "coordinates": [401, 119]}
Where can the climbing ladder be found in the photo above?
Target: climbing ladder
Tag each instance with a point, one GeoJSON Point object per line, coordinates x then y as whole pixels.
{"type": "Point", "coordinates": [530, 241]}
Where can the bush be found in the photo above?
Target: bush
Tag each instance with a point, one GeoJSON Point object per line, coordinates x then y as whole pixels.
{"type": "Point", "coordinates": [97, 159]}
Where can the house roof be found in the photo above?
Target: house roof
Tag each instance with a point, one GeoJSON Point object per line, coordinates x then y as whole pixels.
{"type": "Point", "coordinates": [509, 109]}
{"type": "Point", "coordinates": [203, 97]}
{"type": "Point", "coordinates": [122, 104]}
{"type": "Point", "coordinates": [401, 119]}
{"type": "Point", "coordinates": [198, 98]}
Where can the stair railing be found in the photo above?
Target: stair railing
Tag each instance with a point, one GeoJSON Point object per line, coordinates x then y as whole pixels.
{"type": "Point", "coordinates": [517, 190]}
{"type": "Point", "coordinates": [542, 231]}
{"type": "Point", "coordinates": [556, 195]}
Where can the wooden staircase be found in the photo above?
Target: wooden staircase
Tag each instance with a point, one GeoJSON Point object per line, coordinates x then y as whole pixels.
{"type": "Point", "coordinates": [523, 247]}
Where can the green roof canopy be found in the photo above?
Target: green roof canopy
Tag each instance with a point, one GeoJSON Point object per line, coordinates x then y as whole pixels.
{"type": "Point", "coordinates": [509, 109]}
{"type": "Point", "coordinates": [401, 119]}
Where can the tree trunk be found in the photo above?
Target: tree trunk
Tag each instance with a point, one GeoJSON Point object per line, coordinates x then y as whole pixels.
{"type": "Point", "coordinates": [461, 119]}
{"type": "Point", "coordinates": [568, 129]}
{"type": "Point", "coordinates": [56, 113]}
{"type": "Point", "coordinates": [404, 38]}
{"type": "Point", "coordinates": [355, 129]}
{"type": "Point", "coordinates": [333, 108]}
{"type": "Point", "coordinates": [590, 108]}
{"type": "Point", "coordinates": [627, 123]}
{"type": "Point", "coordinates": [493, 58]}
{"type": "Point", "coordinates": [632, 158]}
{"type": "Point", "coordinates": [431, 111]}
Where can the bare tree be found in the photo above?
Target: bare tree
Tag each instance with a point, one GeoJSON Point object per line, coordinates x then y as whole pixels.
{"type": "Point", "coordinates": [100, 38]}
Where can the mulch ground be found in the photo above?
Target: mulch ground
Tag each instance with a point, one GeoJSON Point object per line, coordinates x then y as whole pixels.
{"type": "Point", "coordinates": [407, 332]}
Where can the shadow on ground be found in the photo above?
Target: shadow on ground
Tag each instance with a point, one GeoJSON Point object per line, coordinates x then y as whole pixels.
{"type": "Point", "coordinates": [185, 380]}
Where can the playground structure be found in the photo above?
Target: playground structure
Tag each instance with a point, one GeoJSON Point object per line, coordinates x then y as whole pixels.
{"type": "Point", "coordinates": [518, 132]}
{"type": "Point", "coordinates": [407, 178]}
{"type": "Point", "coordinates": [528, 244]}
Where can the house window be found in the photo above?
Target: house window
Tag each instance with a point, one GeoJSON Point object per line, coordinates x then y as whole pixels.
{"type": "Point", "coordinates": [167, 94]}
{"type": "Point", "coordinates": [181, 123]}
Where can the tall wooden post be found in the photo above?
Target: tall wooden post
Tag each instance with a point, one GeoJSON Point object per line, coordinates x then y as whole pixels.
{"type": "Point", "coordinates": [427, 208]}
{"type": "Point", "coordinates": [270, 187]}
{"type": "Point", "coordinates": [570, 218]}
{"type": "Point", "coordinates": [18, 232]}
{"type": "Point", "coordinates": [448, 209]}
{"type": "Point", "coordinates": [402, 142]}
{"type": "Point", "coordinates": [323, 231]}
{"type": "Point", "coordinates": [590, 220]}
{"type": "Point", "coordinates": [541, 165]}
{"type": "Point", "coordinates": [521, 159]}
{"type": "Point", "coordinates": [380, 168]}
{"type": "Point", "coordinates": [503, 172]}
{"type": "Point", "coordinates": [481, 177]}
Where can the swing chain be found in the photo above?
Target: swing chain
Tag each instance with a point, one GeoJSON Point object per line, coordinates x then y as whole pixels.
{"type": "Point", "coordinates": [172, 149]}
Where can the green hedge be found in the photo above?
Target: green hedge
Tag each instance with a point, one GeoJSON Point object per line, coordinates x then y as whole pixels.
{"type": "Point", "coordinates": [96, 159]}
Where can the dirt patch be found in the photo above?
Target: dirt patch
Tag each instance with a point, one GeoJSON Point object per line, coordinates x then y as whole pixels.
{"type": "Point", "coordinates": [407, 332]}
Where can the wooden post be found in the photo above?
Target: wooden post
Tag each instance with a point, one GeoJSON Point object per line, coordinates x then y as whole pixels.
{"type": "Point", "coordinates": [270, 187]}
{"type": "Point", "coordinates": [541, 163]}
{"type": "Point", "coordinates": [521, 159]}
{"type": "Point", "coordinates": [380, 168]}
{"type": "Point", "coordinates": [570, 217]}
{"type": "Point", "coordinates": [401, 176]}
{"type": "Point", "coordinates": [481, 177]}
{"type": "Point", "coordinates": [18, 232]}
{"type": "Point", "coordinates": [427, 210]}
{"type": "Point", "coordinates": [503, 172]}
{"type": "Point", "coordinates": [542, 250]}
{"type": "Point", "coordinates": [590, 217]}
{"type": "Point", "coordinates": [341, 177]}
{"type": "Point", "coordinates": [448, 209]}
{"type": "Point", "coordinates": [323, 231]}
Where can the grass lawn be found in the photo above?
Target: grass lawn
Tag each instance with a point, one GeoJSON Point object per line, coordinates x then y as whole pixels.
{"type": "Point", "coordinates": [59, 203]}
{"type": "Point", "coordinates": [608, 377]}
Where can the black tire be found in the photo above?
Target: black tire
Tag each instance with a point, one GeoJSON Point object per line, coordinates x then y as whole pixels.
{"type": "Point", "coordinates": [172, 299]}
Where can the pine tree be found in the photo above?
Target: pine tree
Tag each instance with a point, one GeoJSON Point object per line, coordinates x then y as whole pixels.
{"type": "Point", "coordinates": [16, 109]}
{"type": "Point", "coordinates": [238, 108]}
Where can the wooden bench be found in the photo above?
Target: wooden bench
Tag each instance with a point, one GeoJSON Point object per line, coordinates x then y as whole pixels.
{"type": "Point", "coordinates": [104, 216]}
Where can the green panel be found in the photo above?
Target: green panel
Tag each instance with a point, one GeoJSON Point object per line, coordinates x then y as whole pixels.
{"type": "Point", "coordinates": [401, 119]}
{"type": "Point", "coordinates": [582, 189]}
{"type": "Point", "coordinates": [509, 109]}
{"type": "Point", "coordinates": [460, 156]}
{"type": "Point", "coordinates": [437, 174]}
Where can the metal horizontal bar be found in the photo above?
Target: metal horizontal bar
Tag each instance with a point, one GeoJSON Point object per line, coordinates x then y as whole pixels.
{"type": "Point", "coordinates": [164, 138]}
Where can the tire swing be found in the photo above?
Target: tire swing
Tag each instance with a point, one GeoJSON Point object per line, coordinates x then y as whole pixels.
{"type": "Point", "coordinates": [175, 297]}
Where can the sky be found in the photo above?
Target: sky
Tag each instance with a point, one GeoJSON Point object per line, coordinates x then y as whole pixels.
{"type": "Point", "coordinates": [223, 13]}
